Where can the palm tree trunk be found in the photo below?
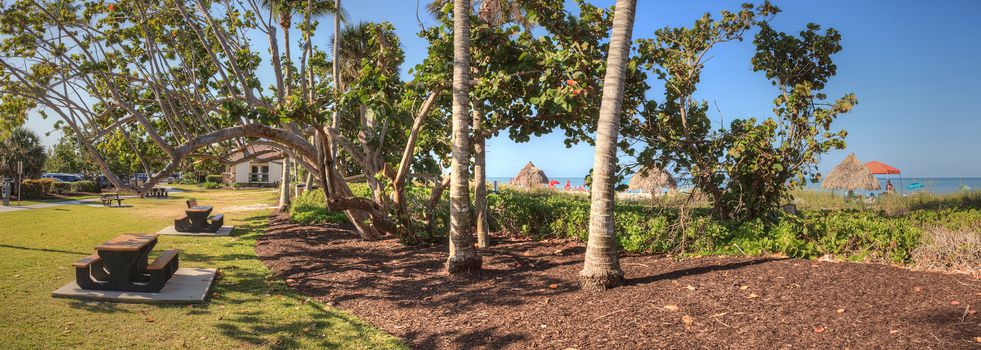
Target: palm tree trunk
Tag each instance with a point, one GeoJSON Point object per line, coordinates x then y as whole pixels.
{"type": "Point", "coordinates": [336, 70]}
{"type": "Point", "coordinates": [480, 178]}
{"type": "Point", "coordinates": [284, 186]}
{"type": "Point", "coordinates": [463, 255]}
{"type": "Point", "coordinates": [285, 23]}
{"type": "Point", "coordinates": [602, 266]}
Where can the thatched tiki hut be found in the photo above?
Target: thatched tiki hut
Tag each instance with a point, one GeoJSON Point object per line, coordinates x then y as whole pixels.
{"type": "Point", "coordinates": [850, 175]}
{"type": "Point", "coordinates": [652, 180]}
{"type": "Point", "coordinates": [530, 177]}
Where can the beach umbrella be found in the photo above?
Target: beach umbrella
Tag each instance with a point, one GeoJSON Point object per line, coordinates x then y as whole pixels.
{"type": "Point", "coordinates": [530, 177]}
{"type": "Point", "coordinates": [651, 180]}
{"type": "Point", "coordinates": [880, 168]}
{"type": "Point", "coordinates": [850, 175]}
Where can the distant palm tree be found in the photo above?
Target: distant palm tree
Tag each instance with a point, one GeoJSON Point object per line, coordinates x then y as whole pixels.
{"type": "Point", "coordinates": [355, 45]}
{"type": "Point", "coordinates": [284, 11]}
{"type": "Point", "coordinates": [601, 269]}
{"type": "Point", "coordinates": [493, 12]}
{"type": "Point", "coordinates": [463, 255]}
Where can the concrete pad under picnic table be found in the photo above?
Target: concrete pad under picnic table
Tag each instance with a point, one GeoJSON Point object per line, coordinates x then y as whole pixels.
{"type": "Point", "coordinates": [187, 286]}
{"type": "Point", "coordinates": [170, 230]}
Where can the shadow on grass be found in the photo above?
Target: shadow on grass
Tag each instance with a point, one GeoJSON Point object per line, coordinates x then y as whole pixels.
{"type": "Point", "coordinates": [245, 282]}
{"type": "Point", "coordinates": [97, 307]}
{"type": "Point", "coordinates": [46, 250]}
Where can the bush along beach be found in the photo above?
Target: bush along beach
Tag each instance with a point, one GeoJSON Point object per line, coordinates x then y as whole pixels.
{"type": "Point", "coordinates": [925, 230]}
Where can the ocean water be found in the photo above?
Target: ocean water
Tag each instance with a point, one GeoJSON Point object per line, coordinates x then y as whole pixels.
{"type": "Point", "coordinates": [937, 185]}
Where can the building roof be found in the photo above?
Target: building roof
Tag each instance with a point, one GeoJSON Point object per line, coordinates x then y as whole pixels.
{"type": "Point", "coordinates": [268, 152]}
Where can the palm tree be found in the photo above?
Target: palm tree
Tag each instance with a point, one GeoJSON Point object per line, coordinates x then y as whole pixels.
{"type": "Point", "coordinates": [463, 255]}
{"type": "Point", "coordinates": [284, 10]}
{"type": "Point", "coordinates": [354, 44]}
{"type": "Point", "coordinates": [602, 266]}
{"type": "Point", "coordinates": [494, 13]}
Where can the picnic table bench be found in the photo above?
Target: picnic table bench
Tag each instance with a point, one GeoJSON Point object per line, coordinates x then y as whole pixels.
{"type": "Point", "coordinates": [120, 264]}
{"type": "Point", "coordinates": [107, 199]}
{"type": "Point", "coordinates": [157, 192]}
{"type": "Point", "coordinates": [198, 219]}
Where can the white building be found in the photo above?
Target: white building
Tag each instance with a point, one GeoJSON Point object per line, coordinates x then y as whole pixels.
{"type": "Point", "coordinates": [257, 166]}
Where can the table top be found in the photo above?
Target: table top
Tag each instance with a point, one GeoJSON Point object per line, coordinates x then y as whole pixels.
{"type": "Point", "coordinates": [200, 208]}
{"type": "Point", "coordinates": [127, 243]}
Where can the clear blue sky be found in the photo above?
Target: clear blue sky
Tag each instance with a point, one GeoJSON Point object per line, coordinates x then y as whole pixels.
{"type": "Point", "coordinates": [915, 67]}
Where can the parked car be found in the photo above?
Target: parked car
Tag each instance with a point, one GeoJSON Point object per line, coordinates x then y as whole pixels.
{"type": "Point", "coordinates": [140, 178]}
{"type": "Point", "coordinates": [173, 178]}
{"type": "Point", "coordinates": [103, 181]}
{"type": "Point", "coordinates": [62, 177]}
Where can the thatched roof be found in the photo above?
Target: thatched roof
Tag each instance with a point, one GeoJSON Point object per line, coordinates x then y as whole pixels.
{"type": "Point", "coordinates": [530, 177]}
{"type": "Point", "coordinates": [850, 175]}
{"type": "Point", "coordinates": [652, 180]}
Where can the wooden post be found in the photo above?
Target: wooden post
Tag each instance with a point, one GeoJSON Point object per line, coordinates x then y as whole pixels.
{"type": "Point", "coordinates": [20, 173]}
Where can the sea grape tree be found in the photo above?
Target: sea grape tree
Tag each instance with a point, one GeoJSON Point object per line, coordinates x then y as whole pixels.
{"type": "Point", "coordinates": [750, 166]}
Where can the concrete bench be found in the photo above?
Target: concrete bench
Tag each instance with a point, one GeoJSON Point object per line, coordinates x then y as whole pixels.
{"type": "Point", "coordinates": [164, 266]}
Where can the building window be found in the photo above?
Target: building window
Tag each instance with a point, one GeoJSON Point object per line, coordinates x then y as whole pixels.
{"type": "Point", "coordinates": [259, 173]}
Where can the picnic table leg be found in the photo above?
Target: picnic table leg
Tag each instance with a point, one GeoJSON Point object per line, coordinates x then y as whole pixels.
{"type": "Point", "coordinates": [140, 272]}
{"type": "Point", "coordinates": [120, 266]}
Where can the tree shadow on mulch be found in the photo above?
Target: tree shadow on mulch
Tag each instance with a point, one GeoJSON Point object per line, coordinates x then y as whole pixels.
{"type": "Point", "coordinates": [527, 297]}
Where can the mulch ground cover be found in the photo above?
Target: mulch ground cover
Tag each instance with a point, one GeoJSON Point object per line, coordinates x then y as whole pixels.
{"type": "Point", "coordinates": [527, 297]}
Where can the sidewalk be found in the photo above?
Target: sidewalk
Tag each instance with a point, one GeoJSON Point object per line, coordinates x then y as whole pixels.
{"type": "Point", "coordinates": [4, 209]}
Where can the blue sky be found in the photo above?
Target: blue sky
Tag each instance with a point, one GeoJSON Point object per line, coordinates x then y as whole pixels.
{"type": "Point", "coordinates": [914, 66]}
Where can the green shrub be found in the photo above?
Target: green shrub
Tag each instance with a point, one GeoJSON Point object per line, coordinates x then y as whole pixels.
{"type": "Point", "coordinates": [853, 234]}
{"type": "Point", "coordinates": [213, 178]}
{"type": "Point", "coordinates": [85, 186]}
{"type": "Point", "coordinates": [544, 214]}
{"type": "Point", "coordinates": [211, 185]}
{"type": "Point", "coordinates": [37, 188]}
{"type": "Point", "coordinates": [61, 187]}
{"type": "Point", "coordinates": [189, 180]}
{"type": "Point", "coordinates": [310, 208]}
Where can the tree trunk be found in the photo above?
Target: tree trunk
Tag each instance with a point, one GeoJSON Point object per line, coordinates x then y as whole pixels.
{"type": "Point", "coordinates": [480, 178]}
{"type": "Point", "coordinates": [288, 60]}
{"type": "Point", "coordinates": [602, 266]}
{"type": "Point", "coordinates": [284, 186]}
{"type": "Point", "coordinates": [335, 70]}
{"type": "Point", "coordinates": [463, 255]}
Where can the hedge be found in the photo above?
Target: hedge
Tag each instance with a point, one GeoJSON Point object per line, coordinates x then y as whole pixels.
{"type": "Point", "coordinates": [37, 188]}
{"type": "Point", "coordinates": [85, 186]}
{"type": "Point", "coordinates": [213, 178]}
{"type": "Point", "coordinates": [61, 187]}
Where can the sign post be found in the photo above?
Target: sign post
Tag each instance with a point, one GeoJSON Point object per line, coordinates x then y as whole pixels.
{"type": "Point", "coordinates": [6, 192]}
{"type": "Point", "coordinates": [20, 172]}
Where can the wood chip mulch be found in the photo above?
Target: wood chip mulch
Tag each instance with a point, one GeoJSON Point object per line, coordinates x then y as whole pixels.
{"type": "Point", "coordinates": [527, 298]}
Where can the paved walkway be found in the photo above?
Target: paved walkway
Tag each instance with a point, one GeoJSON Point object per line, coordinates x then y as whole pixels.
{"type": "Point", "coordinates": [89, 201]}
{"type": "Point", "coordinates": [4, 209]}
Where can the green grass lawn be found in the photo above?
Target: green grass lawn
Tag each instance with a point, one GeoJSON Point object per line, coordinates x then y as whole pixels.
{"type": "Point", "coordinates": [248, 307]}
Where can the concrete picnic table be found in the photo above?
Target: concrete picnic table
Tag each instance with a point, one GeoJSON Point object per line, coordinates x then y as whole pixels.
{"type": "Point", "coordinates": [120, 264]}
{"type": "Point", "coordinates": [197, 219]}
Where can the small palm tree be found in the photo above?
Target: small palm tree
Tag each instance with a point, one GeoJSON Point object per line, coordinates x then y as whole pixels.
{"type": "Point", "coordinates": [463, 255]}
{"type": "Point", "coordinates": [601, 269]}
{"type": "Point", "coordinates": [284, 10]}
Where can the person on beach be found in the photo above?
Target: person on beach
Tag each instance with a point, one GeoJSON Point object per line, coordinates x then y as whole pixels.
{"type": "Point", "coordinates": [889, 187]}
